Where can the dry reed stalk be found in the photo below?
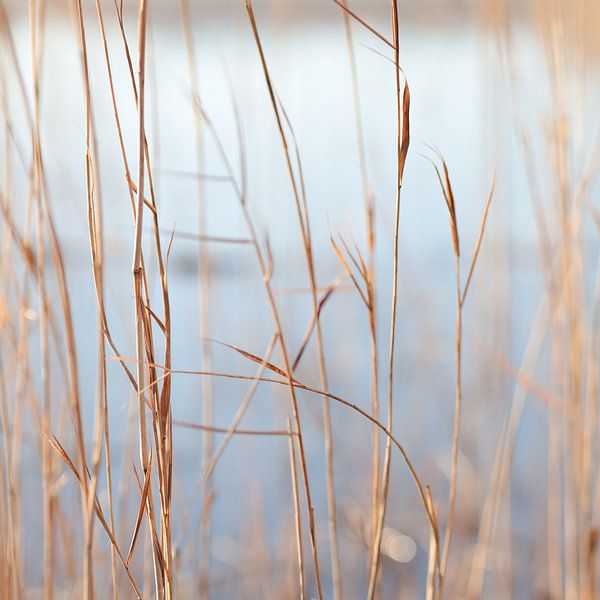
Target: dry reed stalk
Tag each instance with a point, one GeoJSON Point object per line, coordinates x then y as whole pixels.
{"type": "Point", "coordinates": [370, 275]}
{"type": "Point", "coordinates": [6, 510]}
{"type": "Point", "coordinates": [160, 400]}
{"type": "Point", "coordinates": [65, 303]}
{"type": "Point", "coordinates": [8, 557]}
{"type": "Point", "coordinates": [572, 494]}
{"type": "Point", "coordinates": [219, 239]}
{"type": "Point", "coordinates": [95, 232]}
{"type": "Point", "coordinates": [449, 197]}
{"type": "Point", "coordinates": [342, 4]}
{"type": "Point", "coordinates": [402, 104]}
{"type": "Point", "coordinates": [432, 581]}
{"type": "Point", "coordinates": [54, 442]}
{"type": "Point", "coordinates": [73, 376]}
{"type": "Point", "coordinates": [443, 178]}
{"type": "Point", "coordinates": [12, 566]}
{"type": "Point", "coordinates": [565, 289]}
{"type": "Point", "coordinates": [131, 191]}
{"type": "Point", "coordinates": [161, 585]}
{"type": "Point", "coordinates": [503, 455]}
{"type": "Point", "coordinates": [284, 353]}
{"type": "Point", "coordinates": [233, 428]}
{"type": "Point", "coordinates": [96, 237]}
{"type": "Point", "coordinates": [339, 399]}
{"type": "Point", "coordinates": [503, 459]}
{"type": "Point", "coordinates": [562, 242]}
{"type": "Point", "coordinates": [36, 191]}
{"type": "Point", "coordinates": [297, 514]}
{"type": "Point", "coordinates": [349, 272]}
{"type": "Point", "coordinates": [205, 292]}
{"type": "Point", "coordinates": [13, 438]}
{"type": "Point", "coordinates": [304, 222]}
{"type": "Point", "coordinates": [161, 424]}
{"type": "Point", "coordinates": [229, 431]}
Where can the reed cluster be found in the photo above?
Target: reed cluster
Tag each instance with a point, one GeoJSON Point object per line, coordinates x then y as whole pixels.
{"type": "Point", "coordinates": [93, 507]}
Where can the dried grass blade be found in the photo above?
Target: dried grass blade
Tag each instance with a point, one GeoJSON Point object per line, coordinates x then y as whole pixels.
{"type": "Point", "coordinates": [364, 23]}
{"type": "Point", "coordinates": [140, 514]}
{"type": "Point", "coordinates": [254, 358]}
{"type": "Point", "coordinates": [311, 325]}
{"type": "Point", "coordinates": [478, 243]}
{"type": "Point", "coordinates": [346, 266]}
{"type": "Point", "coordinates": [405, 142]}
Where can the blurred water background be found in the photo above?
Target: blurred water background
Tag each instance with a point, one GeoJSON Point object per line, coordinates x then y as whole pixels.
{"type": "Point", "coordinates": [476, 79]}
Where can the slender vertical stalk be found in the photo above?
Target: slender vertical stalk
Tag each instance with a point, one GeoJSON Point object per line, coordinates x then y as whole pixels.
{"type": "Point", "coordinates": [137, 287]}
{"type": "Point", "coordinates": [7, 424]}
{"type": "Point", "coordinates": [402, 143]}
{"type": "Point", "coordinates": [96, 238]}
{"type": "Point", "coordinates": [431, 556]}
{"type": "Point", "coordinates": [297, 516]}
{"type": "Point", "coordinates": [456, 428]}
{"type": "Point", "coordinates": [95, 234]}
{"type": "Point", "coordinates": [160, 400]}
{"type": "Point", "coordinates": [44, 209]}
{"type": "Point", "coordinates": [369, 207]}
{"type": "Point", "coordinates": [204, 289]}
{"type": "Point", "coordinates": [275, 313]}
{"type": "Point", "coordinates": [48, 560]}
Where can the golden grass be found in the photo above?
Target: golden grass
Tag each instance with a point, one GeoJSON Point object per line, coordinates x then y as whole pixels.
{"type": "Point", "coordinates": [125, 540]}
